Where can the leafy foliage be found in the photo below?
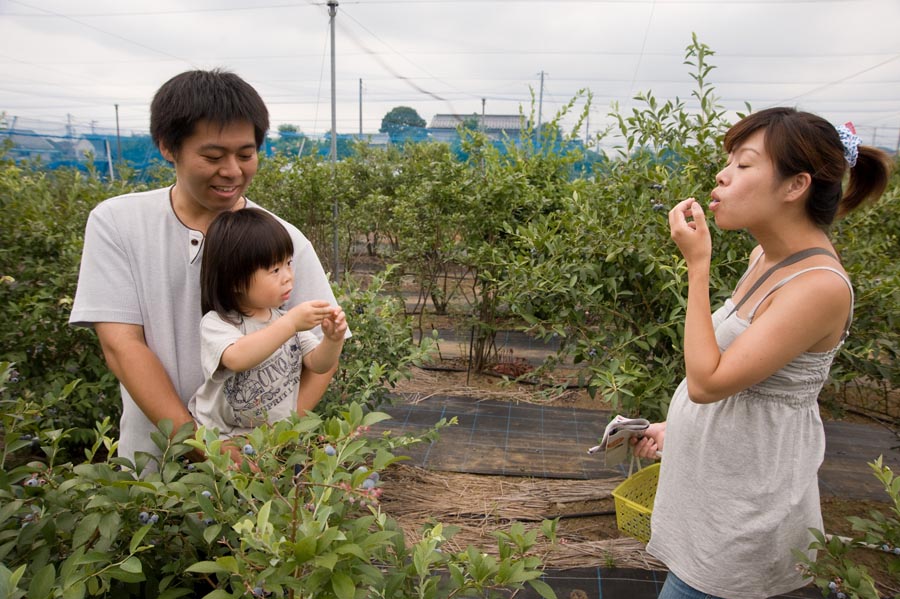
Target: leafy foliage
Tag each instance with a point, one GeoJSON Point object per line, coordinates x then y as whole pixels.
{"type": "Point", "coordinates": [299, 516]}
{"type": "Point", "coordinates": [834, 571]}
{"type": "Point", "coordinates": [40, 252]}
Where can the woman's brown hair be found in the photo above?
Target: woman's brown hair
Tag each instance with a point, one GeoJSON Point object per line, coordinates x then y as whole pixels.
{"type": "Point", "coordinates": [801, 142]}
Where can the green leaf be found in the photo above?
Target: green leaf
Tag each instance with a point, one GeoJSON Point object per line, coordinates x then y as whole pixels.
{"type": "Point", "coordinates": [125, 576]}
{"type": "Point", "coordinates": [207, 567]}
{"type": "Point", "coordinates": [327, 560]}
{"type": "Point", "coordinates": [137, 537]}
{"type": "Point", "coordinates": [343, 586]}
{"type": "Point", "coordinates": [9, 580]}
{"type": "Point", "coordinates": [543, 589]}
{"type": "Point", "coordinates": [109, 525]}
{"type": "Point", "coordinates": [212, 533]}
{"type": "Point", "coordinates": [132, 565]}
{"type": "Point", "coordinates": [76, 590]}
{"type": "Point", "coordinates": [42, 583]}
{"type": "Point", "coordinates": [85, 529]}
{"type": "Point", "coordinates": [305, 549]}
{"type": "Point", "coordinates": [9, 509]}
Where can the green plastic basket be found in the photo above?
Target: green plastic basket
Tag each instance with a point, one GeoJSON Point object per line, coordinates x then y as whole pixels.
{"type": "Point", "coordinates": [634, 502]}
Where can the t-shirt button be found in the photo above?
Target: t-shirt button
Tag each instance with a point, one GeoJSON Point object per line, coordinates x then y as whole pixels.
{"type": "Point", "coordinates": [195, 241]}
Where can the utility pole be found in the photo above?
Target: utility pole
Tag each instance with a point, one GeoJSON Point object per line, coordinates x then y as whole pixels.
{"type": "Point", "coordinates": [332, 11]}
{"type": "Point", "coordinates": [360, 108]}
{"type": "Point", "coordinates": [118, 137]}
{"type": "Point", "coordinates": [483, 100]}
{"type": "Point", "coordinates": [540, 103]}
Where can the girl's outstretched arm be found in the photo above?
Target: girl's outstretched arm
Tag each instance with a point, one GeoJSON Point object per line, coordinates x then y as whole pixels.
{"type": "Point", "coordinates": [250, 350]}
{"type": "Point", "coordinates": [325, 356]}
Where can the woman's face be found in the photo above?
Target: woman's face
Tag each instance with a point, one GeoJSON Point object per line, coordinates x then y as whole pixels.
{"type": "Point", "coordinates": [747, 188]}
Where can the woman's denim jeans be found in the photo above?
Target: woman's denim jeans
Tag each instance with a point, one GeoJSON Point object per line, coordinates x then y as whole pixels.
{"type": "Point", "coordinates": [675, 588]}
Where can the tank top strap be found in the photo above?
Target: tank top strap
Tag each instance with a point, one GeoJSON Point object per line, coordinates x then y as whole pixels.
{"type": "Point", "coordinates": [792, 259]}
{"type": "Point", "coordinates": [791, 277]}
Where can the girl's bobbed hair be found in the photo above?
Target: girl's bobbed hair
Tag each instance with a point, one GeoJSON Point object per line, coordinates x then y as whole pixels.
{"type": "Point", "coordinates": [801, 142]}
{"type": "Point", "coordinates": [237, 244]}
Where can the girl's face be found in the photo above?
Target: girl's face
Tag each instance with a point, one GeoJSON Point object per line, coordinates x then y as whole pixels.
{"type": "Point", "coordinates": [747, 188]}
{"type": "Point", "coordinates": [268, 288]}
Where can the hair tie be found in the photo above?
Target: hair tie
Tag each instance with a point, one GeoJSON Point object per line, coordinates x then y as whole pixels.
{"type": "Point", "coordinates": [851, 141]}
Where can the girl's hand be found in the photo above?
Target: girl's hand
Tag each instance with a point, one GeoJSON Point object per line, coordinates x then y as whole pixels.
{"type": "Point", "coordinates": [335, 325]}
{"type": "Point", "coordinates": [687, 225]}
{"type": "Point", "coordinates": [651, 442]}
{"type": "Point", "coordinates": [309, 315]}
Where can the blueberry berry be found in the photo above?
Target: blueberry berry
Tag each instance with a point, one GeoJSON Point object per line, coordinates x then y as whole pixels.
{"type": "Point", "coordinates": [248, 449]}
{"type": "Point", "coordinates": [206, 493]}
{"type": "Point", "coordinates": [368, 484]}
{"type": "Point", "coordinates": [832, 585]}
{"type": "Point", "coordinates": [374, 477]}
{"type": "Point", "coordinates": [896, 550]}
{"type": "Point", "coordinates": [32, 482]}
{"type": "Point", "coordinates": [144, 517]}
{"type": "Point", "coordinates": [329, 450]}
{"type": "Point", "coordinates": [153, 519]}
{"type": "Point", "coordinates": [208, 521]}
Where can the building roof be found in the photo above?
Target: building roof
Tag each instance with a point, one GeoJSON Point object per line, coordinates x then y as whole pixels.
{"type": "Point", "coordinates": [492, 122]}
{"type": "Point", "coordinates": [28, 140]}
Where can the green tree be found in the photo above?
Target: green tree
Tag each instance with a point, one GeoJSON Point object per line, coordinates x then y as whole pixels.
{"type": "Point", "coordinates": [399, 120]}
{"type": "Point", "coordinates": [290, 140]}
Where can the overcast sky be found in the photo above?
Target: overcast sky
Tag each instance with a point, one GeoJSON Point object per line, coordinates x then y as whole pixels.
{"type": "Point", "coordinates": [66, 61]}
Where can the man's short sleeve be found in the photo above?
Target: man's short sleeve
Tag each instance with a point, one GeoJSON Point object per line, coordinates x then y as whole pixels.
{"type": "Point", "coordinates": [107, 291]}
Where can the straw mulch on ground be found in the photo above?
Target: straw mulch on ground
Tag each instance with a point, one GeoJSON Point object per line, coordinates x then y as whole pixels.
{"type": "Point", "coordinates": [478, 505]}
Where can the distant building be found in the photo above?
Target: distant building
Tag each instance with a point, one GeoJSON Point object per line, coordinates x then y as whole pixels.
{"type": "Point", "coordinates": [376, 140]}
{"type": "Point", "coordinates": [28, 145]}
{"type": "Point", "coordinates": [443, 127]}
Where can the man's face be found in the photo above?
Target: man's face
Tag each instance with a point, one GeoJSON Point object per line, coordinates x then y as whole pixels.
{"type": "Point", "coordinates": [214, 166]}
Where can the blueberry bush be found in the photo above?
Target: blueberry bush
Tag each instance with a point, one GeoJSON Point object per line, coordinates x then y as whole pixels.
{"type": "Point", "coordinates": [299, 516]}
{"type": "Point", "coordinates": [835, 572]}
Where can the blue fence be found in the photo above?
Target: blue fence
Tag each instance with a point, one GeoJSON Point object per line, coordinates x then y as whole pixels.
{"type": "Point", "coordinates": [106, 153]}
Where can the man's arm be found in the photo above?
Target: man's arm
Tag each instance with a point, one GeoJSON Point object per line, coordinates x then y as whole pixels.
{"type": "Point", "coordinates": [141, 372]}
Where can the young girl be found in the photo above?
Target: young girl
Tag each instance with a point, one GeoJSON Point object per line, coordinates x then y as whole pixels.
{"type": "Point", "coordinates": [738, 487]}
{"type": "Point", "coordinates": [252, 351]}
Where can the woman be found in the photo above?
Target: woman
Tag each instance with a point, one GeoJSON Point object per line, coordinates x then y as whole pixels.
{"type": "Point", "coordinates": [743, 441]}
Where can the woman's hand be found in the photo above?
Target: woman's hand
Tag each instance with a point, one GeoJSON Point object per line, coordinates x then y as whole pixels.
{"type": "Point", "coordinates": [687, 225]}
{"type": "Point", "coordinates": [651, 443]}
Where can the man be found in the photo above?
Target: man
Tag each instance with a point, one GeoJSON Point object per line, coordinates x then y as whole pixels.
{"type": "Point", "coordinates": [139, 280]}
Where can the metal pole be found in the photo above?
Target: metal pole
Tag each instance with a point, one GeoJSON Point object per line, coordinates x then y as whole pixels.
{"type": "Point", "coordinates": [483, 100]}
{"type": "Point", "coordinates": [332, 11]}
{"type": "Point", "coordinates": [540, 103]}
{"type": "Point", "coordinates": [118, 137]}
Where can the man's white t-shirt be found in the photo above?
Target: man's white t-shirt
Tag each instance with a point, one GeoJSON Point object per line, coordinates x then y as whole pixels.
{"type": "Point", "coordinates": [141, 265]}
